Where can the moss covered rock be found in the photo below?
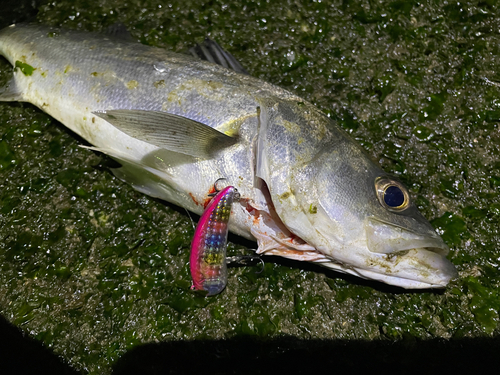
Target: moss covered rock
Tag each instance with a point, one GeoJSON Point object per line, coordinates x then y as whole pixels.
{"type": "Point", "coordinates": [92, 268]}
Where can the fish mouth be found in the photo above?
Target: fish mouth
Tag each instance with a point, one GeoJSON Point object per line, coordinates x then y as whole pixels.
{"type": "Point", "coordinates": [409, 269]}
{"type": "Point", "coordinates": [406, 258]}
{"type": "Point", "coordinates": [388, 238]}
{"type": "Point", "coordinates": [420, 269]}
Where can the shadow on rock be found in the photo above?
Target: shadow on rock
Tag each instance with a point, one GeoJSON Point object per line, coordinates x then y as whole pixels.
{"type": "Point", "coordinates": [288, 355]}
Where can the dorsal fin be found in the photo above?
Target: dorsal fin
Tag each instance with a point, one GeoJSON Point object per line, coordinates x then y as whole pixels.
{"type": "Point", "coordinates": [119, 30]}
{"type": "Point", "coordinates": [211, 51]}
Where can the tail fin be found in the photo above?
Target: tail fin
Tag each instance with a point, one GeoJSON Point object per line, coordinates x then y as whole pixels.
{"type": "Point", "coordinates": [9, 92]}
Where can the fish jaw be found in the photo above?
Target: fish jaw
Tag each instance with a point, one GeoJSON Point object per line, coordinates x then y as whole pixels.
{"type": "Point", "coordinates": [411, 269]}
{"type": "Point", "coordinates": [386, 238]}
{"type": "Point", "coordinates": [404, 258]}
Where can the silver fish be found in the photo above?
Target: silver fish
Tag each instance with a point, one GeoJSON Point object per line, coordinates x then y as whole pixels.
{"type": "Point", "coordinates": [176, 124]}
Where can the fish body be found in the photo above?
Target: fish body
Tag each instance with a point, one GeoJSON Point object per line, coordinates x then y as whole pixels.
{"type": "Point", "coordinates": [208, 249]}
{"type": "Point", "coordinates": [308, 191]}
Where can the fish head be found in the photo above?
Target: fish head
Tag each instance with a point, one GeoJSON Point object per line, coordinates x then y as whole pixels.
{"type": "Point", "coordinates": [328, 192]}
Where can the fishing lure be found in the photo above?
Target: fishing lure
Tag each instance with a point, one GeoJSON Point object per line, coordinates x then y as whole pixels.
{"type": "Point", "coordinates": [208, 249]}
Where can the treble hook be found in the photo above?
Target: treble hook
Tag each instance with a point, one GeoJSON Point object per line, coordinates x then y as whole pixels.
{"type": "Point", "coordinates": [215, 187]}
{"type": "Point", "coordinates": [239, 258]}
{"type": "Point", "coordinates": [261, 263]}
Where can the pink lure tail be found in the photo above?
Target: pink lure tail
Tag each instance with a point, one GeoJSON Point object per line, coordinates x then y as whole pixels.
{"type": "Point", "coordinates": [208, 249]}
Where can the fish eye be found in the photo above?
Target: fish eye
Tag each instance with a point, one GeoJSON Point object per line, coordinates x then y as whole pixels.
{"type": "Point", "coordinates": [392, 194]}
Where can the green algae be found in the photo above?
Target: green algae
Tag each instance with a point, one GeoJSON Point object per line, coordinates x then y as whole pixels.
{"type": "Point", "coordinates": [26, 69]}
{"type": "Point", "coordinates": [92, 268]}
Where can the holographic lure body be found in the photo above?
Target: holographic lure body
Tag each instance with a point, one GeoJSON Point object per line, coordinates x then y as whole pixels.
{"type": "Point", "coordinates": [208, 249]}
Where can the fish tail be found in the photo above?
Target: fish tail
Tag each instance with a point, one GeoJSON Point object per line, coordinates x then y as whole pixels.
{"type": "Point", "coordinates": [8, 92]}
{"type": "Point", "coordinates": [6, 36]}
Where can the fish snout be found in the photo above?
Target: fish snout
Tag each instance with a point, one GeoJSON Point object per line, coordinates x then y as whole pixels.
{"type": "Point", "coordinates": [386, 238]}
{"type": "Point", "coordinates": [409, 259]}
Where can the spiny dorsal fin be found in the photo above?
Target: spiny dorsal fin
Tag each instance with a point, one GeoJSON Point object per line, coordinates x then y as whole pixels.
{"type": "Point", "coordinates": [119, 31]}
{"type": "Point", "coordinates": [211, 51]}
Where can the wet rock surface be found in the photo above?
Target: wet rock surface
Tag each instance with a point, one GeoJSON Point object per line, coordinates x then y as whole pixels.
{"type": "Point", "coordinates": [98, 272]}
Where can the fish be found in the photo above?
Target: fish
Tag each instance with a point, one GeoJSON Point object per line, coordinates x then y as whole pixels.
{"type": "Point", "coordinates": [176, 123]}
{"type": "Point", "coordinates": [207, 261]}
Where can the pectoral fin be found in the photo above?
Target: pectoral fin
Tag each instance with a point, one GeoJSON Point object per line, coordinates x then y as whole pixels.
{"type": "Point", "coordinates": [172, 132]}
